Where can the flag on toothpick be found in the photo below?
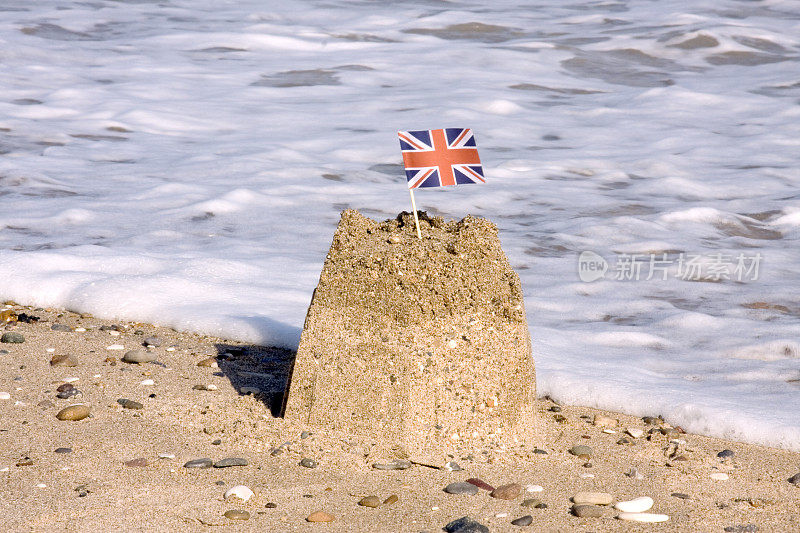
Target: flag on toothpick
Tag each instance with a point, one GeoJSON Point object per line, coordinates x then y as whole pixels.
{"type": "Point", "coordinates": [438, 158]}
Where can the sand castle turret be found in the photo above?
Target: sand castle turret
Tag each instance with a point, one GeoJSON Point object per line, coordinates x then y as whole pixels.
{"type": "Point", "coordinates": [421, 343]}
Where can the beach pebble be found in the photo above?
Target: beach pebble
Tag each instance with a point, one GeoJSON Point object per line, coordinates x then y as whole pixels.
{"type": "Point", "coordinates": [396, 465]}
{"type": "Point", "coordinates": [481, 484]}
{"type": "Point", "coordinates": [725, 454]}
{"type": "Point", "coordinates": [719, 476]}
{"type": "Point", "coordinates": [63, 360]}
{"type": "Point", "coordinates": [73, 412]}
{"type": "Point", "coordinates": [152, 341]}
{"type": "Point", "coordinates": [12, 337]}
{"type": "Point", "coordinates": [744, 528]}
{"type": "Point", "coordinates": [239, 491]}
{"type": "Point", "coordinates": [5, 396]}
{"type": "Point", "coordinates": [680, 495]}
{"type": "Point", "coordinates": [63, 450]}
{"type": "Point", "coordinates": [533, 488]}
{"type": "Point", "coordinates": [523, 521]}
{"type": "Point", "coordinates": [452, 466]}
{"type": "Point", "coordinates": [461, 487]}
{"type": "Point", "coordinates": [208, 362]}
{"type": "Point", "coordinates": [320, 516]}
{"type": "Point", "coordinates": [592, 498]}
{"type": "Point", "coordinates": [68, 393]}
{"type": "Point", "coordinates": [587, 511]}
{"type": "Point", "coordinates": [231, 461]}
{"type": "Point", "coordinates": [60, 327]}
{"type": "Point", "coordinates": [166, 455]}
{"type": "Point", "coordinates": [605, 421]}
{"type": "Point", "coordinates": [237, 514]}
{"type": "Point", "coordinates": [71, 379]}
{"type": "Point", "coordinates": [129, 404]}
{"type": "Point", "coordinates": [139, 461]}
{"type": "Point", "coordinates": [465, 524]}
{"type": "Point", "coordinates": [308, 462]}
{"type": "Point", "coordinates": [795, 479]}
{"type": "Point", "coordinates": [203, 462]}
{"type": "Point", "coordinates": [635, 432]}
{"type": "Point", "coordinates": [506, 492]}
{"type": "Point", "coordinates": [643, 517]}
{"type": "Point", "coordinates": [147, 382]}
{"type": "Point", "coordinates": [115, 347]}
{"type": "Point", "coordinates": [636, 505]}
{"type": "Point", "coordinates": [390, 500]}
{"type": "Point", "coordinates": [369, 501]}
{"type": "Point", "coordinates": [581, 449]}
{"type": "Point", "coordinates": [531, 502]}
{"type": "Point", "coordinates": [138, 356]}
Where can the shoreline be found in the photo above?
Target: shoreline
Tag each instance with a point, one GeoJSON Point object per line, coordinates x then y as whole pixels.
{"type": "Point", "coordinates": [114, 480]}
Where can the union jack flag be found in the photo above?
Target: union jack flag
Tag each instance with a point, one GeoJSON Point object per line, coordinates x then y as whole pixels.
{"type": "Point", "coordinates": [437, 158]}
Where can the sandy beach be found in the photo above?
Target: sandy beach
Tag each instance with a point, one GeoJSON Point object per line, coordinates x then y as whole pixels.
{"type": "Point", "coordinates": [122, 468]}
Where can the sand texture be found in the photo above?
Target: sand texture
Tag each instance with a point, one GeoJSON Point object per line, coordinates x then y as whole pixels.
{"type": "Point", "coordinates": [92, 489]}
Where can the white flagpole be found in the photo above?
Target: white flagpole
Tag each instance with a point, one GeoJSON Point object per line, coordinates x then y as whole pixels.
{"type": "Point", "coordinates": [414, 207]}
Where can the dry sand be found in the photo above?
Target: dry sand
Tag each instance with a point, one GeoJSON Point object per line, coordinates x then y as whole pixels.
{"type": "Point", "coordinates": [39, 486]}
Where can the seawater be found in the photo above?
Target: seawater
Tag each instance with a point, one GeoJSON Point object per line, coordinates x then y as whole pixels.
{"type": "Point", "coordinates": [184, 162]}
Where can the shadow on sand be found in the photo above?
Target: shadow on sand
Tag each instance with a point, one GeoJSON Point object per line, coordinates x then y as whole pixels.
{"type": "Point", "coordinates": [261, 371]}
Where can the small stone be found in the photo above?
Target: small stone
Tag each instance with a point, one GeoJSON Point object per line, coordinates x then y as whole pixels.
{"type": "Point", "coordinates": [531, 502]}
{"type": "Point", "coordinates": [231, 461]}
{"type": "Point", "coordinates": [624, 440]}
{"type": "Point", "coordinates": [320, 516]}
{"type": "Point", "coordinates": [65, 386]}
{"type": "Point", "coordinates": [725, 454]}
{"type": "Point", "coordinates": [216, 442]}
{"type": "Point", "coordinates": [69, 393]}
{"type": "Point", "coordinates": [60, 327]}
{"type": "Point", "coordinates": [534, 488]}
{"type": "Point", "coordinates": [635, 474]}
{"type": "Point", "coordinates": [63, 360]}
{"type": "Point", "coordinates": [73, 412]}
{"type": "Point", "coordinates": [395, 465]}
{"type": "Point", "coordinates": [12, 337]}
{"type": "Point", "coordinates": [5, 396]}
{"type": "Point", "coordinates": [305, 434]}
{"type": "Point", "coordinates": [308, 462]}
{"type": "Point", "coordinates": [25, 461]}
{"type": "Point", "coordinates": [465, 524]}
{"type": "Point", "coordinates": [369, 501]}
{"type": "Point", "coordinates": [719, 476]}
{"type": "Point", "coordinates": [540, 451]}
{"type": "Point", "coordinates": [592, 498]}
{"type": "Point", "coordinates": [271, 505]}
{"type": "Point", "coordinates": [652, 420]}
{"type": "Point", "coordinates": [166, 455]}
{"type": "Point", "coordinates": [506, 492]}
{"type": "Point", "coordinates": [208, 362]}
{"type": "Point", "coordinates": [555, 409]}
{"type": "Point", "coordinates": [138, 357]}
{"type": "Point", "coordinates": [237, 514]}
{"type": "Point", "coordinates": [44, 404]}
{"type": "Point", "coordinates": [152, 341]}
{"type": "Point", "coordinates": [239, 491]}
{"type": "Point", "coordinates": [147, 382]}
{"type": "Point", "coordinates": [643, 517]}
{"type": "Point", "coordinates": [523, 521]}
{"type": "Point", "coordinates": [587, 511]}
{"type": "Point", "coordinates": [481, 484]}
{"type": "Point", "coordinates": [581, 449]}
{"type": "Point", "coordinates": [203, 462]}
{"type": "Point", "coordinates": [795, 479]}
{"type": "Point", "coordinates": [635, 432]}
{"type": "Point", "coordinates": [636, 505]}
{"type": "Point", "coordinates": [605, 421]}
{"type": "Point", "coordinates": [680, 495]}
{"type": "Point", "coordinates": [744, 528]}
{"type": "Point", "coordinates": [115, 347]}
{"type": "Point", "coordinates": [390, 500]}
{"type": "Point", "coordinates": [63, 450]}
{"type": "Point", "coordinates": [461, 487]}
{"type": "Point", "coordinates": [452, 466]}
{"type": "Point", "coordinates": [139, 461]}
{"type": "Point", "coordinates": [129, 404]}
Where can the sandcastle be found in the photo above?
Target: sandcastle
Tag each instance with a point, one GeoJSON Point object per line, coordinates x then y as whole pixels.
{"type": "Point", "coordinates": [421, 343]}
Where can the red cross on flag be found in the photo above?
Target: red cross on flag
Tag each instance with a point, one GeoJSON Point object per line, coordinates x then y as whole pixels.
{"type": "Point", "coordinates": [437, 158]}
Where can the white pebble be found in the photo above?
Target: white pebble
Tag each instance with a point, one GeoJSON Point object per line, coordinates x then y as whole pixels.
{"type": "Point", "coordinates": [534, 488]}
{"type": "Point", "coordinates": [501, 515]}
{"type": "Point", "coordinates": [636, 505]}
{"type": "Point", "coordinates": [609, 431]}
{"type": "Point", "coordinates": [214, 387]}
{"type": "Point", "coordinates": [239, 491]}
{"type": "Point", "coordinates": [20, 404]}
{"type": "Point", "coordinates": [80, 330]}
{"type": "Point", "coordinates": [587, 476]}
{"type": "Point", "coordinates": [165, 455]}
{"type": "Point", "coordinates": [171, 349]}
{"type": "Point", "coordinates": [434, 508]}
{"type": "Point", "coordinates": [635, 432]}
{"type": "Point", "coordinates": [643, 517]}
{"type": "Point", "coordinates": [50, 350]}
{"type": "Point", "coordinates": [97, 376]}
{"type": "Point", "coordinates": [678, 441]}
{"type": "Point", "coordinates": [41, 485]}
{"type": "Point", "coordinates": [4, 469]}
{"type": "Point", "coordinates": [719, 476]}
{"type": "Point", "coordinates": [114, 333]}
{"type": "Point", "coordinates": [71, 379]}
{"type": "Point", "coordinates": [5, 396]}
{"type": "Point", "coordinates": [148, 382]}
{"type": "Point", "coordinates": [115, 347]}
